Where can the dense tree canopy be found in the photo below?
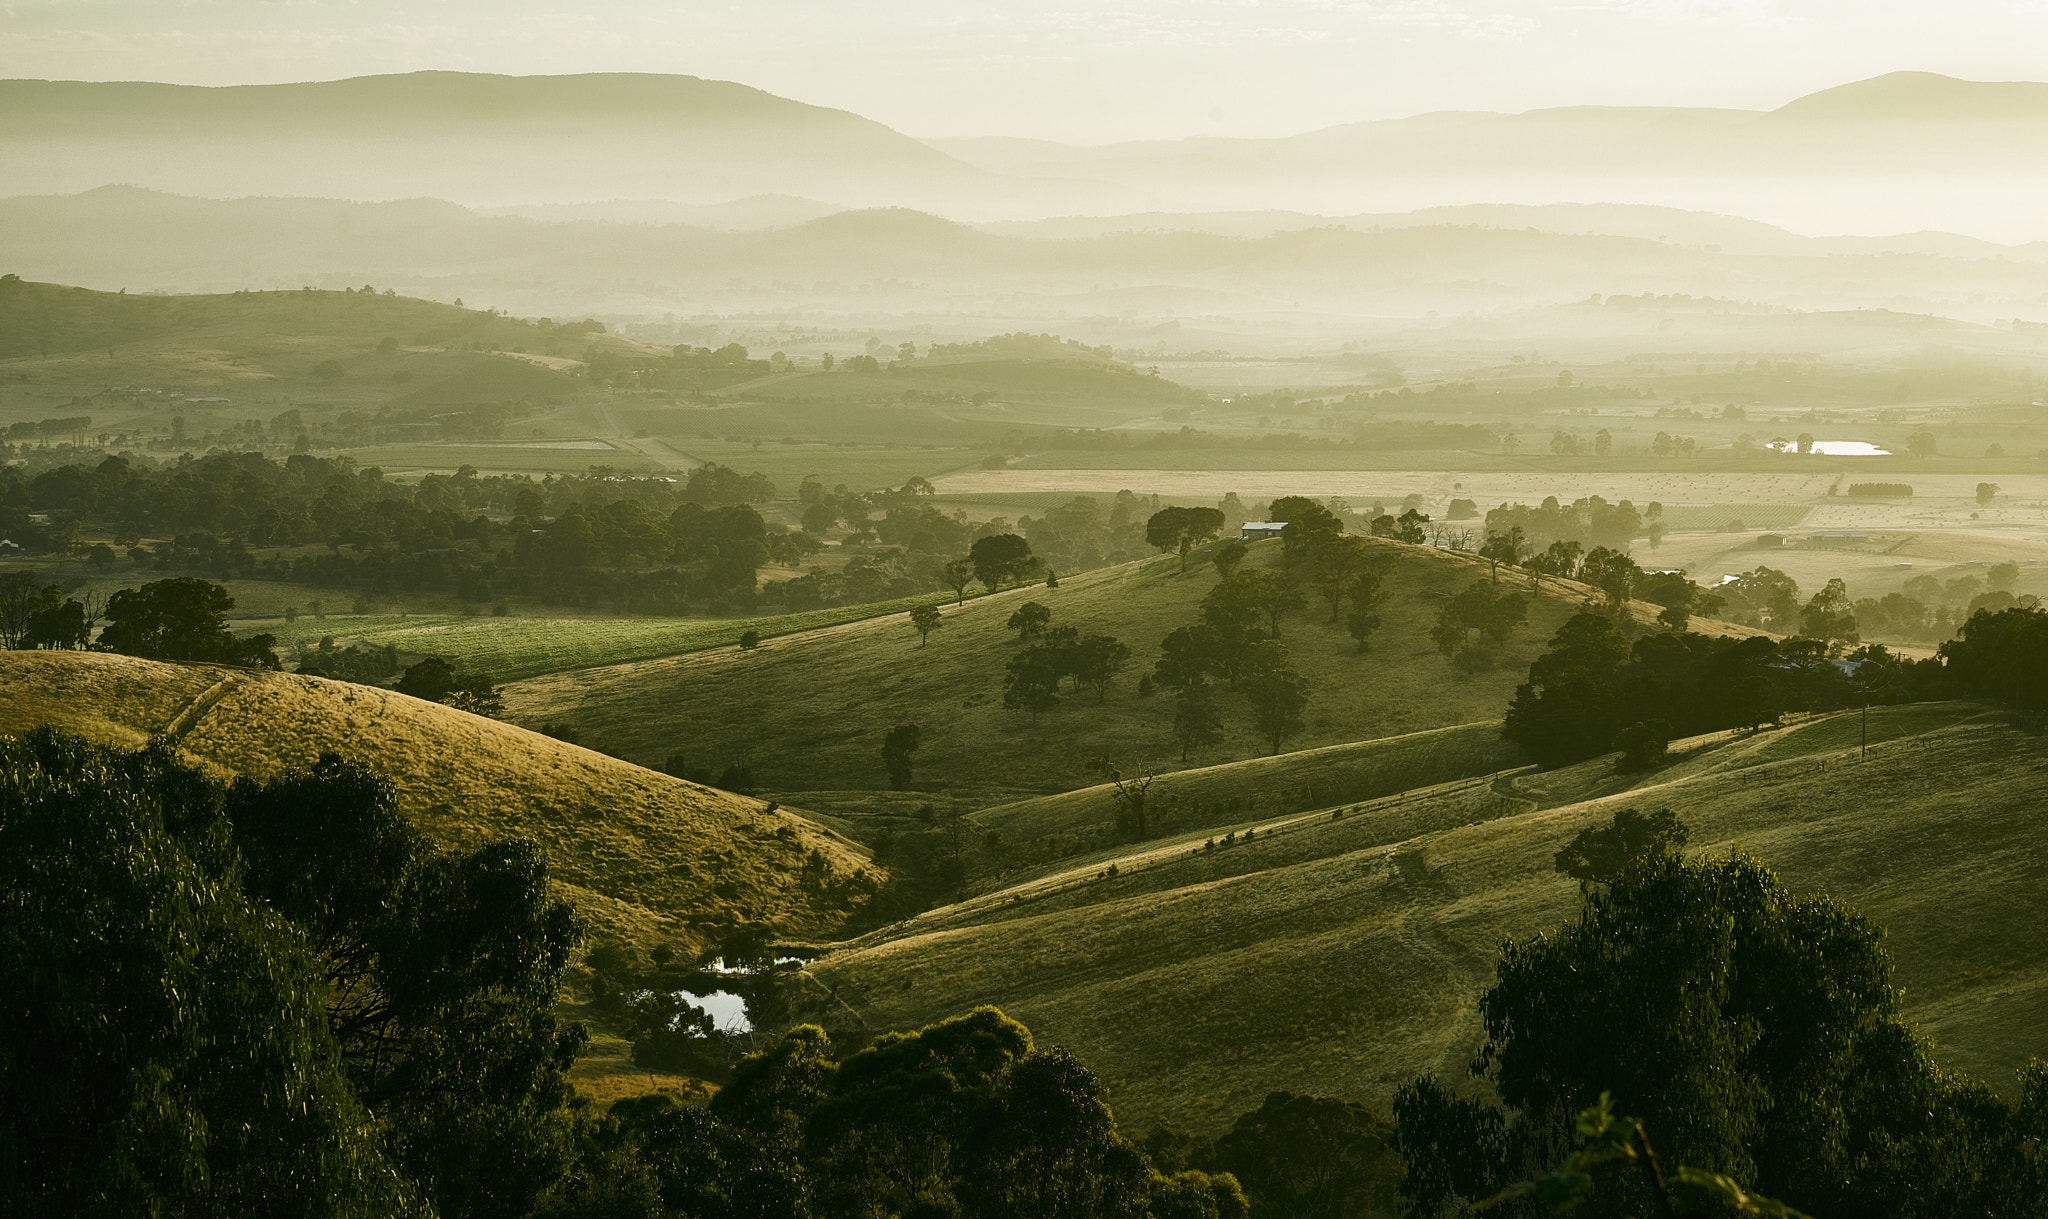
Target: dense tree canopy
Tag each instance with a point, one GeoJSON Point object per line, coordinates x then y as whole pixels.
{"type": "Point", "coordinates": [181, 618]}
{"type": "Point", "coordinates": [1756, 1032]}
{"type": "Point", "coordinates": [270, 999]}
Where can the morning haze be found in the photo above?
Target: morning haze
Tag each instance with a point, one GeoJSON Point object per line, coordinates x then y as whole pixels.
{"type": "Point", "coordinates": [997, 612]}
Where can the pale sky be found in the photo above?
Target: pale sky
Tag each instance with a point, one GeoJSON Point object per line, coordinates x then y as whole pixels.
{"type": "Point", "coordinates": [1070, 71]}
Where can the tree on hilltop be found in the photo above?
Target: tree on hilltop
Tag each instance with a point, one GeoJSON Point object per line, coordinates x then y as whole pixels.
{"type": "Point", "coordinates": [1612, 572]}
{"type": "Point", "coordinates": [181, 618]}
{"type": "Point", "coordinates": [1228, 556]}
{"type": "Point", "coordinates": [1001, 557]}
{"type": "Point", "coordinates": [958, 575]}
{"type": "Point", "coordinates": [437, 680]}
{"type": "Point", "coordinates": [1182, 529]}
{"type": "Point", "coordinates": [1499, 548]}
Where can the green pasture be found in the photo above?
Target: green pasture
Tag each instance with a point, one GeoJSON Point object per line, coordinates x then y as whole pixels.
{"type": "Point", "coordinates": [511, 648]}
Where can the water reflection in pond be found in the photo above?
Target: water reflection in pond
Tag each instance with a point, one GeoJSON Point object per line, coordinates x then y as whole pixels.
{"type": "Point", "coordinates": [728, 1011]}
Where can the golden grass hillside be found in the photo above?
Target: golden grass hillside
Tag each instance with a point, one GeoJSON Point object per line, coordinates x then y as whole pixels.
{"type": "Point", "coordinates": [809, 712]}
{"type": "Point", "coordinates": [647, 857]}
{"type": "Point", "coordinates": [1343, 951]}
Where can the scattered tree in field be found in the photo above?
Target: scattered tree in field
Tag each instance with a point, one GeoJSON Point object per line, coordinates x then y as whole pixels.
{"type": "Point", "coordinates": [1502, 548]}
{"type": "Point", "coordinates": [2004, 577]}
{"type": "Point", "coordinates": [1182, 529]}
{"type": "Point", "coordinates": [1096, 662]}
{"type": "Point", "coordinates": [1000, 558]}
{"type": "Point", "coordinates": [1480, 607]}
{"type": "Point", "coordinates": [924, 620]}
{"type": "Point", "coordinates": [1368, 592]}
{"type": "Point", "coordinates": [1921, 444]}
{"type": "Point", "coordinates": [1133, 818]}
{"type": "Point", "coordinates": [1229, 555]}
{"type": "Point", "coordinates": [1196, 722]}
{"type": "Point", "coordinates": [1338, 562]}
{"type": "Point", "coordinates": [1986, 492]}
{"type": "Point", "coordinates": [902, 741]}
{"type": "Point", "coordinates": [1189, 654]}
{"type": "Point", "coordinates": [1829, 615]}
{"type": "Point", "coordinates": [749, 640]}
{"type": "Point", "coordinates": [1031, 683]}
{"type": "Point", "coordinates": [1278, 697]}
{"type": "Point", "coordinates": [1030, 620]}
{"type": "Point", "coordinates": [1255, 593]}
{"type": "Point", "coordinates": [958, 575]}
{"type": "Point", "coordinates": [181, 618]}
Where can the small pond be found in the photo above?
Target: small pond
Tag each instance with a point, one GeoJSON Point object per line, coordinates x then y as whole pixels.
{"type": "Point", "coordinates": [728, 1011]}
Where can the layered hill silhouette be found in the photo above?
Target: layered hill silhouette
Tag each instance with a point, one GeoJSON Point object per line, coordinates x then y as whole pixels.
{"type": "Point", "coordinates": [1788, 165]}
{"type": "Point", "coordinates": [809, 712]}
{"type": "Point", "coordinates": [1477, 258]}
{"type": "Point", "coordinates": [646, 857]}
{"type": "Point", "coordinates": [1893, 153]}
{"type": "Point", "coordinates": [475, 137]}
{"type": "Point", "coordinates": [1341, 950]}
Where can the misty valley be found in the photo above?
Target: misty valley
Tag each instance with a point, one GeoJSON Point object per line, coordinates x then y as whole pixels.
{"type": "Point", "coordinates": [622, 645]}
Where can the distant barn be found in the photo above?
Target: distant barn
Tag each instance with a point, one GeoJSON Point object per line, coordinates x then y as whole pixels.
{"type": "Point", "coordinates": [1253, 531]}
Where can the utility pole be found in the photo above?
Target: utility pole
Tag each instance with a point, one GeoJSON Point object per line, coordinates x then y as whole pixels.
{"type": "Point", "coordinates": [1865, 749]}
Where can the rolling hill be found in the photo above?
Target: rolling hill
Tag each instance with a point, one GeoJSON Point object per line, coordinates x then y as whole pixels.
{"type": "Point", "coordinates": [809, 712]}
{"type": "Point", "coordinates": [1342, 951]}
{"type": "Point", "coordinates": [648, 858]}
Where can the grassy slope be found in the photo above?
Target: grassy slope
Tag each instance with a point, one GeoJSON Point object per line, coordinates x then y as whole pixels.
{"type": "Point", "coordinates": [810, 711]}
{"type": "Point", "coordinates": [648, 857]}
{"type": "Point", "coordinates": [512, 648]}
{"type": "Point", "coordinates": [1346, 956]}
{"type": "Point", "coordinates": [1306, 779]}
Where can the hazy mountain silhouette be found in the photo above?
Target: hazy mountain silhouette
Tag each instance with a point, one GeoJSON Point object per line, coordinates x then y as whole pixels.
{"type": "Point", "coordinates": [1910, 150]}
{"type": "Point", "coordinates": [479, 139]}
{"type": "Point", "coordinates": [1902, 151]}
{"type": "Point", "coordinates": [1454, 259]}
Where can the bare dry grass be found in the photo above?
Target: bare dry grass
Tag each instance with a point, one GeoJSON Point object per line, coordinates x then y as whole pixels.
{"type": "Point", "coordinates": [646, 856]}
{"type": "Point", "coordinates": [1346, 955]}
{"type": "Point", "coordinates": [809, 711]}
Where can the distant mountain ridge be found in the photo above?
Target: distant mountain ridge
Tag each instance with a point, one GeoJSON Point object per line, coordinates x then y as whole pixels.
{"type": "Point", "coordinates": [476, 138]}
